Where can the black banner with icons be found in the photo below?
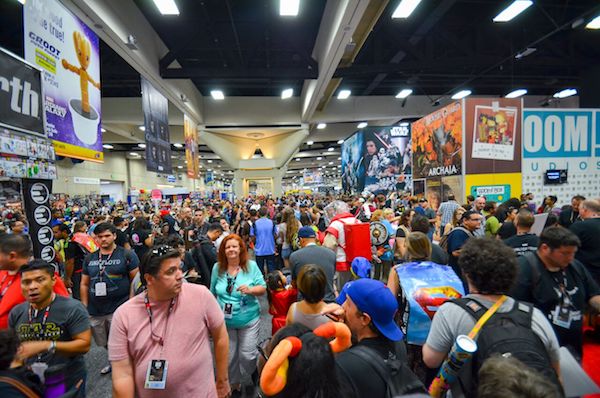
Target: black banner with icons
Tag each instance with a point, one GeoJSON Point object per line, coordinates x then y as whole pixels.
{"type": "Point", "coordinates": [156, 126]}
{"type": "Point", "coordinates": [36, 197]}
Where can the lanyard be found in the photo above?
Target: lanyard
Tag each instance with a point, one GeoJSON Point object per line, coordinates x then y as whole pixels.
{"type": "Point", "coordinates": [10, 282]}
{"type": "Point", "coordinates": [33, 315]}
{"type": "Point", "coordinates": [155, 337]}
{"type": "Point", "coordinates": [101, 266]}
{"type": "Point", "coordinates": [565, 297]}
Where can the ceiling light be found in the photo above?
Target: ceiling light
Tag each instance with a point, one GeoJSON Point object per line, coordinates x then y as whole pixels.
{"type": "Point", "coordinates": [517, 7]}
{"type": "Point", "coordinates": [565, 93]}
{"type": "Point", "coordinates": [343, 94]}
{"type": "Point", "coordinates": [526, 52]}
{"type": "Point", "coordinates": [180, 167]}
{"type": "Point", "coordinates": [405, 8]}
{"type": "Point", "coordinates": [134, 154]}
{"type": "Point", "coordinates": [167, 7]}
{"type": "Point", "coordinates": [309, 142]}
{"type": "Point", "coordinates": [461, 94]}
{"type": "Point", "coordinates": [178, 145]}
{"type": "Point", "coordinates": [107, 146]}
{"type": "Point", "coordinates": [330, 163]}
{"type": "Point", "coordinates": [209, 161]}
{"type": "Point", "coordinates": [340, 141]}
{"type": "Point", "coordinates": [287, 93]}
{"type": "Point", "coordinates": [516, 93]}
{"type": "Point", "coordinates": [339, 158]}
{"type": "Point", "coordinates": [404, 124]}
{"type": "Point", "coordinates": [102, 129]}
{"type": "Point", "coordinates": [142, 145]}
{"type": "Point", "coordinates": [594, 23]}
{"type": "Point", "coordinates": [289, 8]}
{"type": "Point", "coordinates": [217, 95]}
{"type": "Point", "coordinates": [362, 125]}
{"type": "Point", "coordinates": [404, 93]}
{"type": "Point", "coordinates": [21, 1]}
{"type": "Point", "coordinates": [143, 128]}
{"type": "Point", "coordinates": [319, 158]}
{"type": "Point", "coordinates": [297, 159]}
{"type": "Point", "coordinates": [330, 149]}
{"type": "Point", "coordinates": [321, 126]}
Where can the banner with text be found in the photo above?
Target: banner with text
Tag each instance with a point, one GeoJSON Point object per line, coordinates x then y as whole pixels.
{"type": "Point", "coordinates": [190, 133]}
{"type": "Point", "coordinates": [156, 122]}
{"type": "Point", "coordinates": [68, 52]}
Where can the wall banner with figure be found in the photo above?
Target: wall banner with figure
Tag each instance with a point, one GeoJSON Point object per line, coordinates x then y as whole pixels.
{"type": "Point", "coordinates": [190, 133]}
{"type": "Point", "coordinates": [437, 143]}
{"type": "Point", "coordinates": [68, 52]}
{"type": "Point", "coordinates": [156, 122]}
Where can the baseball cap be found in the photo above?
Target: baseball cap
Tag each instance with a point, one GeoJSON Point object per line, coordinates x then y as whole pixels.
{"type": "Point", "coordinates": [361, 267]}
{"type": "Point", "coordinates": [306, 232]}
{"type": "Point", "coordinates": [374, 298]}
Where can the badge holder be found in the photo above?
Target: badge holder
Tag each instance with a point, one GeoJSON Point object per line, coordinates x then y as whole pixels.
{"type": "Point", "coordinates": [100, 288]}
{"type": "Point", "coordinates": [156, 376]}
{"type": "Point", "coordinates": [228, 311]}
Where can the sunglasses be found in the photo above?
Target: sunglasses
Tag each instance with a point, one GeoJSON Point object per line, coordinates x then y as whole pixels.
{"type": "Point", "coordinates": [230, 284]}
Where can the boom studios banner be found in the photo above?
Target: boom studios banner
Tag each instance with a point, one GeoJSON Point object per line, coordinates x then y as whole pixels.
{"type": "Point", "coordinates": [561, 140]}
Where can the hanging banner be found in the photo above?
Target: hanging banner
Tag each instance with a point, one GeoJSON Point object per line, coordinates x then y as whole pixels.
{"type": "Point", "coordinates": [437, 143]}
{"type": "Point", "coordinates": [191, 147]}
{"type": "Point", "coordinates": [68, 52]}
{"type": "Point", "coordinates": [20, 95]}
{"type": "Point", "coordinates": [36, 197]}
{"type": "Point", "coordinates": [156, 122]}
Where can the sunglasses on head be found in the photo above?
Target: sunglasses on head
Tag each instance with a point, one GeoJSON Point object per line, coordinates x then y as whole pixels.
{"type": "Point", "coordinates": [230, 284]}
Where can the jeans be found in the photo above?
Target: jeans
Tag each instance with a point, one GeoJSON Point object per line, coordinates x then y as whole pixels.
{"type": "Point", "coordinates": [269, 261]}
{"type": "Point", "coordinates": [243, 352]}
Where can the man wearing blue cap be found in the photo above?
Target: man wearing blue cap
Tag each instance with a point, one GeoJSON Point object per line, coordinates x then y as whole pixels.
{"type": "Point", "coordinates": [368, 308]}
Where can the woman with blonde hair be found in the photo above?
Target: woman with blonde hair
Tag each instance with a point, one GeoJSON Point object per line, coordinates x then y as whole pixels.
{"type": "Point", "coordinates": [288, 233]}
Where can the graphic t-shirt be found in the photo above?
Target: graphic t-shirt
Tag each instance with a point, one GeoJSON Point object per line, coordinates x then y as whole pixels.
{"type": "Point", "coordinates": [113, 270]}
{"type": "Point", "coordinates": [67, 317]}
{"type": "Point", "coordinates": [138, 236]}
{"type": "Point", "coordinates": [523, 244]}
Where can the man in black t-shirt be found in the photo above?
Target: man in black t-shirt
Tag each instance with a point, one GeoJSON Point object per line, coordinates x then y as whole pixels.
{"type": "Point", "coordinates": [122, 235]}
{"type": "Point", "coordinates": [107, 275]}
{"type": "Point", "coordinates": [560, 286]}
{"type": "Point", "coordinates": [53, 330]}
{"type": "Point", "coordinates": [570, 215]}
{"type": "Point", "coordinates": [523, 242]}
{"type": "Point", "coordinates": [588, 232]}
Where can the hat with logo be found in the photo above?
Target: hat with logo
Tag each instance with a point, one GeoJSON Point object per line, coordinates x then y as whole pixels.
{"type": "Point", "coordinates": [373, 298]}
{"type": "Point", "coordinates": [306, 232]}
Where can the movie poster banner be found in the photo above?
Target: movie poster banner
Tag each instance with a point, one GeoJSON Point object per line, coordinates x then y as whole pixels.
{"type": "Point", "coordinates": [156, 122]}
{"type": "Point", "coordinates": [312, 177]}
{"type": "Point", "coordinates": [494, 134]}
{"type": "Point", "coordinates": [190, 133]}
{"type": "Point", "coordinates": [437, 143]}
{"type": "Point", "coordinates": [353, 169]}
{"type": "Point", "coordinates": [69, 54]}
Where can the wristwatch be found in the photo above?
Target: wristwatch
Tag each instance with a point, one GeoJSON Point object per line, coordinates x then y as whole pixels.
{"type": "Point", "coordinates": [52, 348]}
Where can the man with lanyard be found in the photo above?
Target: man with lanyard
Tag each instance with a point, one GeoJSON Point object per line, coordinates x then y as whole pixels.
{"type": "Point", "coordinates": [159, 343]}
{"type": "Point", "coordinates": [107, 275]}
{"type": "Point", "coordinates": [471, 222]}
{"type": "Point", "coordinates": [588, 232]}
{"type": "Point", "coordinates": [54, 331]}
{"type": "Point", "coordinates": [15, 252]}
{"type": "Point", "coordinates": [559, 285]}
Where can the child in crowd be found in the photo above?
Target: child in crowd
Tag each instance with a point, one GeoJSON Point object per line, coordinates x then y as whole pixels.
{"type": "Point", "coordinates": [281, 296]}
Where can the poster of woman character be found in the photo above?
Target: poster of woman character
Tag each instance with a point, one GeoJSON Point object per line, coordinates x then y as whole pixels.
{"type": "Point", "coordinates": [353, 171]}
{"type": "Point", "coordinates": [494, 134]}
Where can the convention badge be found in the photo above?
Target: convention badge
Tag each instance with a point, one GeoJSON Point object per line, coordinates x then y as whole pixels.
{"type": "Point", "coordinates": [39, 369]}
{"type": "Point", "coordinates": [156, 376]}
{"type": "Point", "coordinates": [562, 316]}
{"type": "Point", "coordinates": [100, 288]}
{"type": "Point", "coordinates": [228, 310]}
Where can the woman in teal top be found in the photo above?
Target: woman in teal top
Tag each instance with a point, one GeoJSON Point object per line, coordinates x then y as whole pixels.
{"type": "Point", "coordinates": [236, 282]}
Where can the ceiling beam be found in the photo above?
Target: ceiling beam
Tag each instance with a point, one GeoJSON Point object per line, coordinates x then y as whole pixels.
{"type": "Point", "coordinates": [310, 72]}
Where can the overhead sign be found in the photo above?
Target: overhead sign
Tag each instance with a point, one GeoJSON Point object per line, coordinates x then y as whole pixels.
{"type": "Point", "coordinates": [156, 123]}
{"type": "Point", "coordinates": [68, 51]}
{"type": "Point", "coordinates": [20, 95]}
{"type": "Point", "coordinates": [86, 180]}
{"type": "Point", "coordinates": [36, 197]}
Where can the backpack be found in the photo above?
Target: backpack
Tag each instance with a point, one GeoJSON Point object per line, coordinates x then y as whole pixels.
{"type": "Point", "coordinates": [400, 380]}
{"type": "Point", "coordinates": [443, 243]}
{"type": "Point", "coordinates": [507, 333]}
{"type": "Point", "coordinates": [358, 240]}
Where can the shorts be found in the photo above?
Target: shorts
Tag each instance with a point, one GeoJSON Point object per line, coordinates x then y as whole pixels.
{"type": "Point", "coordinates": [100, 327]}
{"type": "Point", "coordinates": [285, 253]}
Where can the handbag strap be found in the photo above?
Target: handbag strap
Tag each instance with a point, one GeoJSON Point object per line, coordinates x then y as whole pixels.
{"type": "Point", "coordinates": [23, 389]}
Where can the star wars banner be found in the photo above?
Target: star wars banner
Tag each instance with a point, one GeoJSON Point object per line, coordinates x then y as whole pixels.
{"type": "Point", "coordinates": [156, 122]}
{"type": "Point", "coordinates": [36, 197]}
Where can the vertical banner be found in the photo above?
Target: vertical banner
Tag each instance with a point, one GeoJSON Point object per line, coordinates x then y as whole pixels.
{"type": "Point", "coordinates": [156, 122]}
{"type": "Point", "coordinates": [68, 52]}
{"type": "Point", "coordinates": [191, 147]}
{"type": "Point", "coordinates": [353, 169]}
{"type": "Point", "coordinates": [36, 197]}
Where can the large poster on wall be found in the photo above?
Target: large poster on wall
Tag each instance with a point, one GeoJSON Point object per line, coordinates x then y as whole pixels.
{"type": "Point", "coordinates": [437, 143]}
{"type": "Point", "coordinates": [353, 169]}
{"type": "Point", "coordinates": [191, 147]}
{"type": "Point", "coordinates": [156, 123]}
{"type": "Point", "coordinates": [555, 139]}
{"type": "Point", "coordinates": [68, 52]}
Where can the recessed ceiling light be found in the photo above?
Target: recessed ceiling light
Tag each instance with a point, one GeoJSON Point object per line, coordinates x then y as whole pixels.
{"type": "Point", "coordinates": [134, 154]}
{"type": "Point", "coordinates": [321, 126]}
{"type": "Point", "coordinates": [330, 163]}
{"type": "Point", "coordinates": [343, 94]}
{"type": "Point", "coordinates": [180, 167]}
{"type": "Point", "coordinates": [287, 93]}
{"type": "Point", "coordinates": [297, 159]}
{"type": "Point", "coordinates": [461, 94]}
{"type": "Point", "coordinates": [516, 93]}
{"type": "Point", "coordinates": [142, 145]}
{"type": "Point", "coordinates": [209, 161]}
{"type": "Point", "coordinates": [404, 124]}
{"type": "Point", "coordinates": [319, 158]}
{"type": "Point", "coordinates": [102, 129]}
{"type": "Point", "coordinates": [289, 8]}
{"type": "Point", "coordinates": [178, 145]}
{"type": "Point", "coordinates": [309, 142]}
{"type": "Point", "coordinates": [340, 141]}
{"type": "Point", "coordinates": [405, 8]}
{"type": "Point", "coordinates": [362, 125]}
{"type": "Point", "coordinates": [142, 127]}
{"type": "Point", "coordinates": [167, 7]}
{"type": "Point", "coordinates": [517, 7]}
{"type": "Point", "coordinates": [565, 93]}
{"type": "Point", "coordinates": [404, 93]}
{"type": "Point", "coordinates": [339, 158]}
{"type": "Point", "coordinates": [217, 95]}
{"type": "Point", "coordinates": [107, 146]}
{"type": "Point", "coordinates": [594, 23]}
{"type": "Point", "coordinates": [330, 149]}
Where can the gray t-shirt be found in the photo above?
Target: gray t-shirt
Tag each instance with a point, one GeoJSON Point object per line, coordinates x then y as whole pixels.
{"type": "Point", "coordinates": [450, 321]}
{"type": "Point", "coordinates": [67, 317]}
{"type": "Point", "coordinates": [317, 255]}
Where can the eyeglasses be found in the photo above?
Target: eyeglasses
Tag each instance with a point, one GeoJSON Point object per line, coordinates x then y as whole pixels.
{"type": "Point", "coordinates": [260, 347]}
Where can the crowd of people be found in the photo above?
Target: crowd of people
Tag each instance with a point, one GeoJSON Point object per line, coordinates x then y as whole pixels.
{"type": "Point", "coordinates": [177, 293]}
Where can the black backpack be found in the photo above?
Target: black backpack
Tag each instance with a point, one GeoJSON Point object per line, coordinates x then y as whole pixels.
{"type": "Point", "coordinates": [503, 334]}
{"type": "Point", "coordinates": [400, 380]}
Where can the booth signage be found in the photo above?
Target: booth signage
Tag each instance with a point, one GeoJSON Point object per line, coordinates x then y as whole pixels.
{"type": "Point", "coordinates": [86, 180]}
{"type": "Point", "coordinates": [36, 197]}
{"type": "Point", "coordinates": [496, 193]}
